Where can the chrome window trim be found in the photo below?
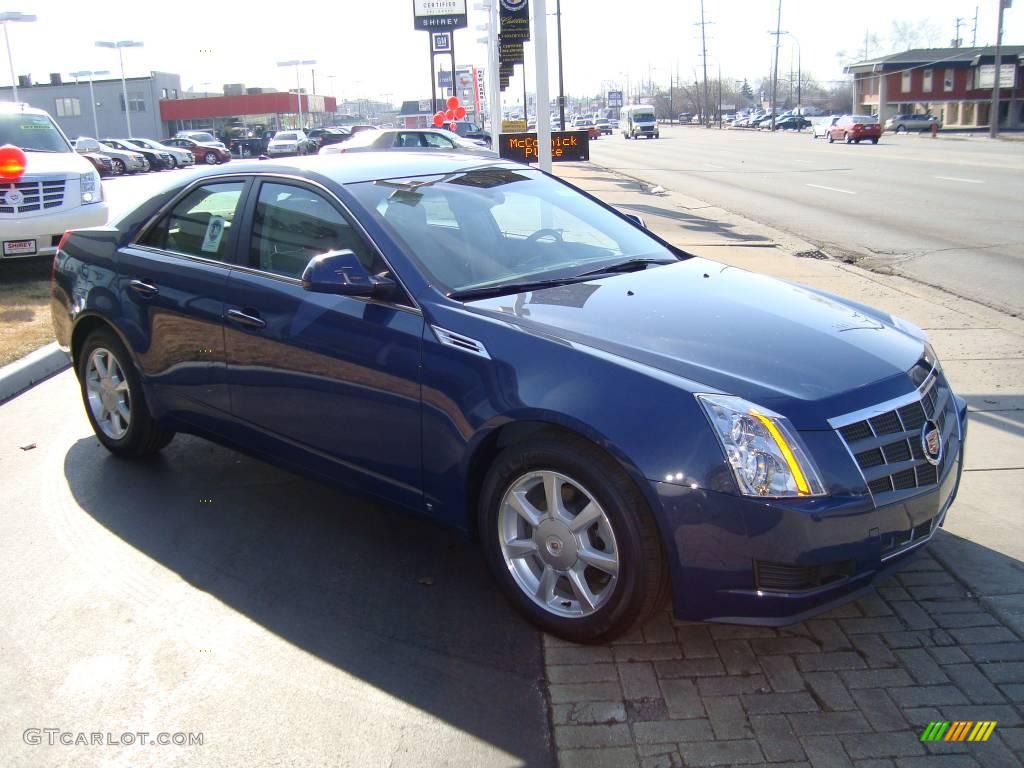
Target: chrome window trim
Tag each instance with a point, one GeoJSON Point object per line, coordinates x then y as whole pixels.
{"type": "Point", "coordinates": [229, 177]}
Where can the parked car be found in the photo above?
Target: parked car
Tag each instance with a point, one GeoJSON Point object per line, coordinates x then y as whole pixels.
{"type": "Point", "coordinates": [158, 160]}
{"type": "Point", "coordinates": [202, 137]}
{"type": "Point", "coordinates": [685, 117]}
{"type": "Point", "coordinates": [409, 326]}
{"type": "Point", "coordinates": [906, 123]}
{"type": "Point", "coordinates": [792, 123]}
{"type": "Point", "coordinates": [209, 154]}
{"type": "Point", "coordinates": [102, 163]}
{"type": "Point", "coordinates": [48, 190]}
{"type": "Point", "coordinates": [326, 136]}
{"type": "Point", "coordinates": [123, 160]}
{"type": "Point", "coordinates": [821, 125]}
{"type": "Point", "coordinates": [410, 140]}
{"type": "Point", "coordinates": [467, 129]}
{"type": "Point", "coordinates": [853, 129]}
{"type": "Point", "coordinates": [287, 143]}
{"type": "Point", "coordinates": [182, 158]}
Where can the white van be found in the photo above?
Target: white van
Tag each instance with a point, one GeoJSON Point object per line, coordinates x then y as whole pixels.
{"type": "Point", "coordinates": [55, 191]}
{"type": "Point", "coordinates": [638, 120]}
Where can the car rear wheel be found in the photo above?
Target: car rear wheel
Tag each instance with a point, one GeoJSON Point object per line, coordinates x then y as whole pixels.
{"type": "Point", "coordinates": [210, 158]}
{"type": "Point", "coordinates": [874, 141]}
{"type": "Point", "coordinates": [847, 138]}
{"type": "Point", "coordinates": [114, 400]}
{"type": "Point", "coordinates": [901, 129]}
{"type": "Point", "coordinates": [570, 539]}
{"type": "Point", "coordinates": [830, 139]}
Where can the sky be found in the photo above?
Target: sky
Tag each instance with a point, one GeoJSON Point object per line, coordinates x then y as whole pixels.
{"type": "Point", "coordinates": [371, 49]}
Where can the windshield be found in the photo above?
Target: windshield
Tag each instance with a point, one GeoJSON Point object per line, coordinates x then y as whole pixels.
{"type": "Point", "coordinates": [643, 116]}
{"type": "Point", "coordinates": [32, 132]}
{"type": "Point", "coordinates": [202, 137]}
{"type": "Point", "coordinates": [285, 137]}
{"type": "Point", "coordinates": [496, 226]}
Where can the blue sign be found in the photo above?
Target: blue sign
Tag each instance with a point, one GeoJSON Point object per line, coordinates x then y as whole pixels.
{"type": "Point", "coordinates": [614, 98]}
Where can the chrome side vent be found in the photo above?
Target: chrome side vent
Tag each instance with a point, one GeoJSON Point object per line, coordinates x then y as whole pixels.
{"type": "Point", "coordinates": [460, 342]}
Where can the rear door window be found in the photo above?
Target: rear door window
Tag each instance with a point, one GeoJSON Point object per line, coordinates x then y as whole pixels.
{"type": "Point", "coordinates": [200, 224]}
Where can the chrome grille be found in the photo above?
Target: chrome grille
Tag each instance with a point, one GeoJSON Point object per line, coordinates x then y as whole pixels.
{"type": "Point", "coordinates": [38, 195]}
{"type": "Point", "coordinates": [886, 441]}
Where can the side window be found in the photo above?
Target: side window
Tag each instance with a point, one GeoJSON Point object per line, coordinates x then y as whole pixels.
{"type": "Point", "coordinates": [200, 224]}
{"type": "Point", "coordinates": [294, 224]}
{"type": "Point", "coordinates": [434, 140]}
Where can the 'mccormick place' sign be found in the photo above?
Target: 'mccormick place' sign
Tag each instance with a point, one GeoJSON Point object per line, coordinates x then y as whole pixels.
{"type": "Point", "coordinates": [438, 15]}
{"type": "Point", "coordinates": [565, 146]}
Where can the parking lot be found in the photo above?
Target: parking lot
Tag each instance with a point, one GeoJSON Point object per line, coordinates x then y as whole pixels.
{"type": "Point", "coordinates": [289, 623]}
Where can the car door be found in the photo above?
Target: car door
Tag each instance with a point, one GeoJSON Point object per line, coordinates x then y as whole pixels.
{"type": "Point", "coordinates": [333, 380]}
{"type": "Point", "coordinates": [173, 283]}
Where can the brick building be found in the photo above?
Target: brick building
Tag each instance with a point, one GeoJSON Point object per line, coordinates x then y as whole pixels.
{"type": "Point", "coordinates": [954, 84]}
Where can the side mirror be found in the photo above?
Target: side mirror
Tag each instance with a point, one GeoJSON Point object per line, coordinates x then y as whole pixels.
{"type": "Point", "coordinates": [636, 219]}
{"type": "Point", "coordinates": [341, 272]}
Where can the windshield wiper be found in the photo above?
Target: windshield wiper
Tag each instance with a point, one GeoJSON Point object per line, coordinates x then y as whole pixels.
{"type": "Point", "coordinates": [485, 291]}
{"type": "Point", "coordinates": [630, 265]}
{"type": "Point", "coordinates": [33, 149]}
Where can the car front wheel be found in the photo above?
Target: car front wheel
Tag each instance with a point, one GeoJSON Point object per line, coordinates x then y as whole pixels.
{"type": "Point", "coordinates": [847, 138]}
{"type": "Point", "coordinates": [901, 129]}
{"type": "Point", "coordinates": [830, 139]}
{"type": "Point", "coordinates": [114, 400]}
{"type": "Point", "coordinates": [571, 540]}
{"type": "Point", "coordinates": [210, 158]}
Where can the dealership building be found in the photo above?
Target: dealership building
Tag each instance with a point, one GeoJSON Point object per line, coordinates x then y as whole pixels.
{"type": "Point", "coordinates": [953, 84]}
{"type": "Point", "coordinates": [68, 102]}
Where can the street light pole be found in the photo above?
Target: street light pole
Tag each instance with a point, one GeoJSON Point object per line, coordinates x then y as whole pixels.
{"type": "Point", "coordinates": [993, 110]}
{"type": "Point", "coordinates": [561, 82]}
{"type": "Point", "coordinates": [92, 95]}
{"type": "Point", "coordinates": [775, 69]}
{"type": "Point", "coordinates": [120, 45]}
{"type": "Point", "coordinates": [298, 84]}
{"type": "Point", "coordinates": [5, 17]}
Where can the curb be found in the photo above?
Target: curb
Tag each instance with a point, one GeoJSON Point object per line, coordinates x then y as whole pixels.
{"type": "Point", "coordinates": [36, 366]}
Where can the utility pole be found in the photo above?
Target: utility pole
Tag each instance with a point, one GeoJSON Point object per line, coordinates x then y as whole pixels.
{"type": "Point", "coordinates": [561, 82]}
{"type": "Point", "coordinates": [704, 56]}
{"type": "Point", "coordinates": [775, 70]}
{"type": "Point", "coordinates": [993, 110]}
{"type": "Point", "coordinates": [956, 37]}
{"type": "Point", "coordinates": [974, 29]}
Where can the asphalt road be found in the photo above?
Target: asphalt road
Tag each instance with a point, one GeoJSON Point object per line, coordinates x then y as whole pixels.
{"type": "Point", "coordinates": [944, 212]}
{"type": "Point", "coordinates": [206, 592]}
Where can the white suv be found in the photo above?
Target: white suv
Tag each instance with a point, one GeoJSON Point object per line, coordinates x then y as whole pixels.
{"type": "Point", "coordinates": [58, 190]}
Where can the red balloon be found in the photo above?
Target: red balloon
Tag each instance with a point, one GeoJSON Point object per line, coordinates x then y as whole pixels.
{"type": "Point", "coordinates": [12, 162]}
{"type": "Point", "coordinates": [453, 102]}
{"type": "Point", "coordinates": [438, 120]}
{"type": "Point", "coordinates": [453, 128]}
{"type": "Point", "coordinates": [449, 115]}
{"type": "Point", "coordinates": [460, 113]}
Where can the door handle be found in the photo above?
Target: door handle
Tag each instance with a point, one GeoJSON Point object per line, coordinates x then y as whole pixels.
{"type": "Point", "coordinates": [240, 317]}
{"type": "Point", "coordinates": [143, 288]}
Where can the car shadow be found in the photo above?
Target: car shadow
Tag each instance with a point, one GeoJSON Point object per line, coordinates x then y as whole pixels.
{"type": "Point", "coordinates": [390, 598]}
{"type": "Point", "coordinates": [694, 223]}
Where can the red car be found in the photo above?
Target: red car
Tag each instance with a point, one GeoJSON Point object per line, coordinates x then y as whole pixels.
{"type": "Point", "coordinates": [853, 129]}
{"type": "Point", "coordinates": [211, 154]}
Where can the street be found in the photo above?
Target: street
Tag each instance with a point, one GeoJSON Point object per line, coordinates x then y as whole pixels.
{"type": "Point", "coordinates": [945, 212]}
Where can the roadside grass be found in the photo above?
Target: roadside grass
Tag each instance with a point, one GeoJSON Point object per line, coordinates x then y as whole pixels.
{"type": "Point", "coordinates": [24, 308]}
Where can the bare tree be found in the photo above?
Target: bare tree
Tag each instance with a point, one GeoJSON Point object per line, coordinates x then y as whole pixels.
{"type": "Point", "coordinates": [906, 34]}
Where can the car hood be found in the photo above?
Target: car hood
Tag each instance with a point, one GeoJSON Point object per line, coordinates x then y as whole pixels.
{"type": "Point", "coordinates": [56, 162]}
{"type": "Point", "coordinates": [807, 355]}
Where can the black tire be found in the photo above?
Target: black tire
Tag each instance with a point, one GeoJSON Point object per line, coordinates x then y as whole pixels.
{"type": "Point", "coordinates": [901, 129]}
{"type": "Point", "coordinates": [830, 139]}
{"type": "Point", "coordinates": [210, 158]}
{"type": "Point", "coordinates": [874, 141]}
{"type": "Point", "coordinates": [143, 436]}
{"type": "Point", "coordinates": [847, 138]}
{"type": "Point", "coordinates": [119, 166]}
{"type": "Point", "coordinates": [642, 584]}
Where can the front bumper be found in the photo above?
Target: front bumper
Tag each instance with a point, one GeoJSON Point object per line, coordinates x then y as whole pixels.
{"type": "Point", "coordinates": [47, 229]}
{"type": "Point", "coordinates": [813, 554]}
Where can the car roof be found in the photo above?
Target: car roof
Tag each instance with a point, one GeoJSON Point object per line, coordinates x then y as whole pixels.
{"type": "Point", "coordinates": [371, 166]}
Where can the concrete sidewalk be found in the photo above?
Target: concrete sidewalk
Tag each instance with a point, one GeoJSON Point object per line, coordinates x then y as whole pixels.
{"type": "Point", "coordinates": [940, 641]}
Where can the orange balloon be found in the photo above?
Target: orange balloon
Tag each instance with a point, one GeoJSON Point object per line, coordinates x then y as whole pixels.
{"type": "Point", "coordinates": [438, 120]}
{"type": "Point", "coordinates": [453, 102]}
{"type": "Point", "coordinates": [449, 115]}
{"type": "Point", "coordinates": [460, 113]}
{"type": "Point", "coordinates": [12, 162]}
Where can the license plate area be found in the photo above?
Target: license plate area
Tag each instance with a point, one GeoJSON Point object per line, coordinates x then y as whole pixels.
{"type": "Point", "coordinates": [19, 247]}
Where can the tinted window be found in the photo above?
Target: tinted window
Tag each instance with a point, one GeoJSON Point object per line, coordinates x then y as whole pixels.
{"type": "Point", "coordinates": [200, 224]}
{"type": "Point", "coordinates": [493, 226]}
{"type": "Point", "coordinates": [407, 140]}
{"type": "Point", "coordinates": [294, 224]}
{"type": "Point", "coordinates": [30, 131]}
{"type": "Point", "coordinates": [437, 140]}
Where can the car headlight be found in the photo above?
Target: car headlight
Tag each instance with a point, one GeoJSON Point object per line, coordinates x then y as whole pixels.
{"type": "Point", "coordinates": [89, 183]}
{"type": "Point", "coordinates": [909, 328]}
{"type": "Point", "coordinates": [766, 456]}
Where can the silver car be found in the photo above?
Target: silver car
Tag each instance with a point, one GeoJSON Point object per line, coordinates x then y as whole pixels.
{"type": "Point", "coordinates": [181, 157]}
{"type": "Point", "coordinates": [410, 140]}
{"type": "Point", "coordinates": [122, 160]}
{"type": "Point", "coordinates": [907, 123]}
{"type": "Point", "coordinates": [821, 125]}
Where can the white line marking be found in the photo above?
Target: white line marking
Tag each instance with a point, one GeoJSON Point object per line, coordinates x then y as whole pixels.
{"type": "Point", "coordinates": [954, 178]}
{"type": "Point", "coordinates": [831, 189]}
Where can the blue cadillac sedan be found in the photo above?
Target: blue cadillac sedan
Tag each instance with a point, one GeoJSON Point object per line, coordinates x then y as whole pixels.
{"type": "Point", "coordinates": [615, 420]}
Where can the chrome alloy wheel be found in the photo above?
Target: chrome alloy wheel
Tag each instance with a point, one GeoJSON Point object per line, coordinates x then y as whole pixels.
{"type": "Point", "coordinates": [558, 544]}
{"type": "Point", "coordinates": [107, 389]}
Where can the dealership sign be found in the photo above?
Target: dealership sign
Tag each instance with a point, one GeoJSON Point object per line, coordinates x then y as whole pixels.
{"type": "Point", "coordinates": [437, 15]}
{"type": "Point", "coordinates": [565, 146]}
{"type": "Point", "coordinates": [987, 73]}
{"type": "Point", "coordinates": [515, 19]}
